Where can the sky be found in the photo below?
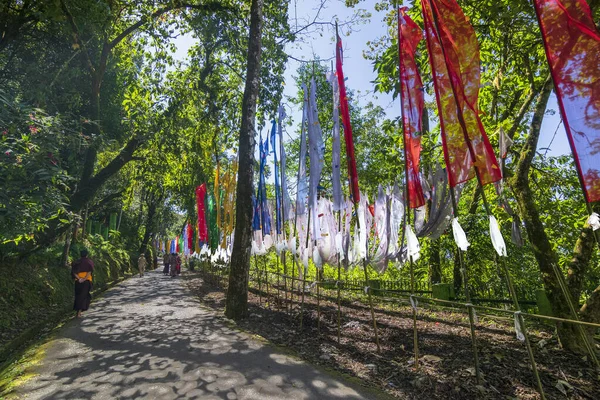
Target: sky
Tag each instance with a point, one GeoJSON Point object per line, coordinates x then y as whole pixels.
{"type": "Point", "coordinates": [359, 71]}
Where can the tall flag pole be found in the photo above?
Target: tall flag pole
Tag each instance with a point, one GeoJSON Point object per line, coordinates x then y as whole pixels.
{"type": "Point", "coordinates": [265, 220]}
{"type": "Point", "coordinates": [336, 180]}
{"type": "Point", "coordinates": [454, 58]}
{"type": "Point", "coordinates": [412, 103]}
{"type": "Point", "coordinates": [572, 44]}
{"type": "Point", "coordinates": [316, 152]}
{"type": "Point", "coordinates": [352, 174]}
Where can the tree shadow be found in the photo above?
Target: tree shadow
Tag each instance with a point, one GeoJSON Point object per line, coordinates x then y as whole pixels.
{"type": "Point", "coordinates": [148, 338]}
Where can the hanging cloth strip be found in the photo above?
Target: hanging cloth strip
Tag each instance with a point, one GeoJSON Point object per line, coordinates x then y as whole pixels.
{"type": "Point", "coordinates": [382, 230]}
{"type": "Point", "coordinates": [277, 214]}
{"type": "Point", "coordinates": [594, 221]}
{"type": "Point", "coordinates": [497, 239]}
{"type": "Point", "coordinates": [441, 205]}
{"type": "Point", "coordinates": [302, 191]}
{"type": "Point", "coordinates": [287, 203]}
{"type": "Point", "coordinates": [336, 183]}
{"type": "Point", "coordinates": [459, 235]}
{"type": "Point", "coordinates": [316, 155]}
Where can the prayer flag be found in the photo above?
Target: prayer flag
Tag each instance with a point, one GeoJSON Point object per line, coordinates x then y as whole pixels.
{"type": "Point", "coordinates": [454, 59]}
{"type": "Point", "coordinates": [352, 174]}
{"type": "Point", "coordinates": [412, 101]}
{"type": "Point", "coordinates": [286, 204]}
{"type": "Point", "coordinates": [265, 220]}
{"type": "Point", "coordinates": [189, 237]}
{"type": "Point", "coordinates": [277, 191]}
{"type": "Point", "coordinates": [316, 153]}
{"type": "Point", "coordinates": [202, 228]}
{"type": "Point", "coordinates": [572, 44]}
{"type": "Point", "coordinates": [336, 180]}
{"type": "Point", "coordinates": [302, 190]}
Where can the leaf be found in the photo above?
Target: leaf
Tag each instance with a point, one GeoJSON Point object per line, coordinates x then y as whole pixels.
{"type": "Point", "coordinates": [431, 358]}
{"type": "Point", "coordinates": [562, 386]}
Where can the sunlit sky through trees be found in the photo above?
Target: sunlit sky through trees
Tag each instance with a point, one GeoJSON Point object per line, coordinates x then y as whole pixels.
{"type": "Point", "coordinates": [320, 43]}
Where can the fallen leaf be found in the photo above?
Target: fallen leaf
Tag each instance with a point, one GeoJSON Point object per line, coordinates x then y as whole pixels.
{"type": "Point", "coordinates": [561, 388]}
{"type": "Point", "coordinates": [431, 358]}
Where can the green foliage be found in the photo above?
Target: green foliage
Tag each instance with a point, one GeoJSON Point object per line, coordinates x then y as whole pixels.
{"type": "Point", "coordinates": [35, 183]}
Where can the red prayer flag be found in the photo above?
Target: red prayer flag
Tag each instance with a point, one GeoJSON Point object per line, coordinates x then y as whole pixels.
{"type": "Point", "coordinates": [352, 174]}
{"type": "Point", "coordinates": [190, 237]}
{"type": "Point", "coordinates": [454, 59]}
{"type": "Point", "coordinates": [202, 227]}
{"type": "Point", "coordinates": [572, 45]}
{"type": "Point", "coordinates": [412, 101]}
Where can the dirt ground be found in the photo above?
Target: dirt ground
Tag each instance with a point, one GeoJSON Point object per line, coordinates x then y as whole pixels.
{"type": "Point", "coordinates": [446, 368]}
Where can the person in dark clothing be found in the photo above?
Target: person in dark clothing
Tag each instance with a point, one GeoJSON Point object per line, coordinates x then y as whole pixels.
{"type": "Point", "coordinates": [166, 262]}
{"type": "Point", "coordinates": [81, 270]}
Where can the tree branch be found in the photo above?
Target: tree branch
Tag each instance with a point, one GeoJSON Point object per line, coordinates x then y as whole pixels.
{"type": "Point", "coordinates": [76, 36]}
{"type": "Point", "coordinates": [213, 6]}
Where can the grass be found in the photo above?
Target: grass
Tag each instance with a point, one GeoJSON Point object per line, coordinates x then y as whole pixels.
{"type": "Point", "coordinates": [37, 297]}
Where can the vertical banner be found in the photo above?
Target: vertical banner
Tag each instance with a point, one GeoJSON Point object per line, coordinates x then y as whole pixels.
{"type": "Point", "coordinates": [454, 58]}
{"type": "Point", "coordinates": [265, 219]}
{"type": "Point", "coordinates": [316, 154]}
{"type": "Point", "coordinates": [336, 176]}
{"type": "Point", "coordinates": [572, 44]}
{"type": "Point", "coordinates": [190, 238]}
{"type": "Point", "coordinates": [412, 101]}
{"type": "Point", "coordinates": [202, 228]}
{"type": "Point", "coordinates": [302, 191]}
{"type": "Point", "coordinates": [277, 187]}
{"type": "Point", "coordinates": [285, 194]}
{"type": "Point", "coordinates": [352, 174]}
{"type": "Point", "coordinates": [213, 229]}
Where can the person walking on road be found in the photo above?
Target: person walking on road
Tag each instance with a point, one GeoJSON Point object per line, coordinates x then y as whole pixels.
{"type": "Point", "coordinates": [142, 264]}
{"type": "Point", "coordinates": [166, 262]}
{"type": "Point", "coordinates": [81, 270]}
{"type": "Point", "coordinates": [173, 265]}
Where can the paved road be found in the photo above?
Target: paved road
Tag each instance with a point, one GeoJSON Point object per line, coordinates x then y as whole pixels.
{"type": "Point", "coordinates": [149, 338]}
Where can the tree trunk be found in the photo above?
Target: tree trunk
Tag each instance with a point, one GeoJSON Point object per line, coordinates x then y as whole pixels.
{"type": "Point", "coordinates": [435, 273]}
{"type": "Point", "coordinates": [152, 205]}
{"type": "Point", "coordinates": [590, 311]}
{"type": "Point", "coordinates": [236, 306]}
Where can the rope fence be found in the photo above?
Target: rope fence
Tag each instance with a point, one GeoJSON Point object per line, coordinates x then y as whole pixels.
{"type": "Point", "coordinates": [271, 281]}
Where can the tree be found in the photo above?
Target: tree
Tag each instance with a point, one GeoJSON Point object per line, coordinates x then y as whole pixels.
{"type": "Point", "coordinates": [514, 97]}
{"type": "Point", "coordinates": [237, 294]}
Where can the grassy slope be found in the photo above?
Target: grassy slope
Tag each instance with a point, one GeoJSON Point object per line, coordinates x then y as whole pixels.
{"type": "Point", "coordinates": [37, 294]}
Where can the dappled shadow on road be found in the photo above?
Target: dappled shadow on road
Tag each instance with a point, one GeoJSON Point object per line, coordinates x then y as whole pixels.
{"type": "Point", "coordinates": [148, 338]}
